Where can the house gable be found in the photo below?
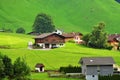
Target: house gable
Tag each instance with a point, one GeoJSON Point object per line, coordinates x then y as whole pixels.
{"type": "Point", "coordinates": [49, 38]}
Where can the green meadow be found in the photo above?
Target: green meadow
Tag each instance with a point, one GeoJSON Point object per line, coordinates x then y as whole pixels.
{"type": "Point", "coordinates": [70, 54]}
{"type": "Point", "coordinates": [54, 58]}
{"type": "Point", "coordinates": [68, 15]}
{"type": "Point", "coordinates": [44, 76]}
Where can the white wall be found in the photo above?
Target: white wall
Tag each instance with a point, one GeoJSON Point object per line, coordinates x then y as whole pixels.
{"type": "Point", "coordinates": [38, 69]}
{"type": "Point", "coordinates": [91, 77]}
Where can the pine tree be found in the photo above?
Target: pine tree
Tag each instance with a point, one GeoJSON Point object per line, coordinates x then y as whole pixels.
{"type": "Point", "coordinates": [8, 69]}
{"type": "Point", "coordinates": [21, 69]}
{"type": "Point", "coordinates": [2, 74]}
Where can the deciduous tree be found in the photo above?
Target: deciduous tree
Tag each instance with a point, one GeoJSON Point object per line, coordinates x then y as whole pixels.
{"type": "Point", "coordinates": [98, 37]}
{"type": "Point", "coordinates": [21, 69]}
{"type": "Point", "coordinates": [43, 24]}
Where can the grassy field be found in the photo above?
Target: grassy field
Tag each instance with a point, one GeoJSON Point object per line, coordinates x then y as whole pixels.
{"type": "Point", "coordinates": [14, 41]}
{"type": "Point", "coordinates": [44, 76]}
{"type": "Point", "coordinates": [72, 15]}
{"type": "Point", "coordinates": [52, 59]}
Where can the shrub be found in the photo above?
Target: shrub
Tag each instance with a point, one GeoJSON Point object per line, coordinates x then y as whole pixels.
{"type": "Point", "coordinates": [36, 46]}
{"type": "Point", "coordinates": [7, 30]}
{"type": "Point", "coordinates": [71, 41]}
{"type": "Point", "coordinates": [113, 77]}
{"type": "Point", "coordinates": [20, 30]}
{"type": "Point", "coordinates": [4, 46]}
{"type": "Point", "coordinates": [70, 69]}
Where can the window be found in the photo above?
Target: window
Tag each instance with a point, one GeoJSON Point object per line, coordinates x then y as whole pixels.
{"type": "Point", "coordinates": [93, 75]}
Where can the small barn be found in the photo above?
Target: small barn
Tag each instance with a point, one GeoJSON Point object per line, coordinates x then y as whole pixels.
{"type": "Point", "coordinates": [39, 67]}
{"type": "Point", "coordinates": [92, 67]}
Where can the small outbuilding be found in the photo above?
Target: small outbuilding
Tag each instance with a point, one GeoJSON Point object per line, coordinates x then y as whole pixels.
{"type": "Point", "coordinates": [39, 67]}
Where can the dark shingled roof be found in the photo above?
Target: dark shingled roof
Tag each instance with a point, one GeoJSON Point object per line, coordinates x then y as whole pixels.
{"type": "Point", "coordinates": [38, 65]}
{"type": "Point", "coordinates": [46, 35]}
{"type": "Point", "coordinates": [113, 37]}
{"type": "Point", "coordinates": [65, 35]}
{"type": "Point", "coordinates": [97, 60]}
{"type": "Point", "coordinates": [68, 35]}
{"type": "Point", "coordinates": [71, 35]}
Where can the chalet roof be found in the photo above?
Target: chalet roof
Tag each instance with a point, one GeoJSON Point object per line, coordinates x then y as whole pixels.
{"type": "Point", "coordinates": [33, 33]}
{"type": "Point", "coordinates": [113, 37]}
{"type": "Point", "coordinates": [38, 65]}
{"type": "Point", "coordinates": [97, 60]}
{"type": "Point", "coordinates": [46, 35]}
{"type": "Point", "coordinates": [71, 35]}
{"type": "Point", "coordinates": [68, 35]}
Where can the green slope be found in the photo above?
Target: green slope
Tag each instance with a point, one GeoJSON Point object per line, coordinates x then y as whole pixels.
{"type": "Point", "coordinates": [53, 59]}
{"type": "Point", "coordinates": [69, 15]}
{"type": "Point", "coordinates": [14, 41]}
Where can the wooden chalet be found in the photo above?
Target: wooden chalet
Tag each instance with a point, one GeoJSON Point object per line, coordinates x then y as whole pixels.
{"type": "Point", "coordinates": [113, 40]}
{"type": "Point", "coordinates": [50, 40]}
{"type": "Point", "coordinates": [73, 36]}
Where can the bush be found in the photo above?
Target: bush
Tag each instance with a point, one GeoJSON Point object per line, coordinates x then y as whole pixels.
{"type": "Point", "coordinates": [20, 30]}
{"type": "Point", "coordinates": [70, 69]}
{"type": "Point", "coordinates": [113, 77]}
{"type": "Point", "coordinates": [7, 30]}
{"type": "Point", "coordinates": [36, 46]}
{"type": "Point", "coordinates": [109, 47]}
{"type": "Point", "coordinates": [4, 46]}
{"type": "Point", "coordinates": [71, 41]}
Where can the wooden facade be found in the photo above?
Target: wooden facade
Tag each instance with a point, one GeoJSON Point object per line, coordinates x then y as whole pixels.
{"type": "Point", "coordinates": [114, 40]}
{"type": "Point", "coordinates": [73, 36]}
{"type": "Point", "coordinates": [54, 38]}
{"type": "Point", "coordinates": [50, 40]}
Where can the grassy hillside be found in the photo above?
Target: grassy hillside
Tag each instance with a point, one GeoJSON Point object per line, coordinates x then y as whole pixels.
{"type": "Point", "coordinates": [53, 59]}
{"type": "Point", "coordinates": [72, 15]}
{"type": "Point", "coordinates": [14, 40]}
